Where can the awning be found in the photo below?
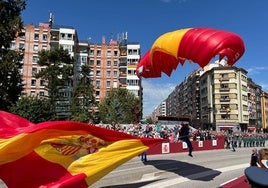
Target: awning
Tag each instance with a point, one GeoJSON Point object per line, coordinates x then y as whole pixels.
{"type": "Point", "coordinates": [251, 128]}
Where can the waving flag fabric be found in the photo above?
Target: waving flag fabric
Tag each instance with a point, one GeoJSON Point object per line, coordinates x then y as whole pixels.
{"type": "Point", "coordinates": [62, 153]}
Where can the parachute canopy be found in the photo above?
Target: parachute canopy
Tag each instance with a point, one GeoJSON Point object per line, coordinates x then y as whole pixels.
{"type": "Point", "coordinates": [198, 45]}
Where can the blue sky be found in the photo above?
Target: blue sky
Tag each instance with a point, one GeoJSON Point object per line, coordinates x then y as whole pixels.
{"type": "Point", "coordinates": [145, 20]}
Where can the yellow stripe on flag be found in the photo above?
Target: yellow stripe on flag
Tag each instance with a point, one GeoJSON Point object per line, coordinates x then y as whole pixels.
{"type": "Point", "coordinates": [98, 164]}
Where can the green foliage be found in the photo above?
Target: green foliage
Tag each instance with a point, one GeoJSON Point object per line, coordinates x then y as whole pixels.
{"type": "Point", "coordinates": [120, 106]}
{"type": "Point", "coordinates": [10, 78]}
{"type": "Point", "coordinates": [83, 101]}
{"type": "Point", "coordinates": [58, 72]}
{"type": "Point", "coordinates": [10, 22]}
{"type": "Point", "coordinates": [58, 75]}
{"type": "Point", "coordinates": [34, 109]}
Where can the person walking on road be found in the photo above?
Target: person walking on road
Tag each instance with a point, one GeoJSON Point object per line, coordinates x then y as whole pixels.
{"type": "Point", "coordinates": [254, 158]}
{"type": "Point", "coordinates": [184, 135]}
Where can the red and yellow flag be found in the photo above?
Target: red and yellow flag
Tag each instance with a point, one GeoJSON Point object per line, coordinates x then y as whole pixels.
{"type": "Point", "coordinates": [62, 153]}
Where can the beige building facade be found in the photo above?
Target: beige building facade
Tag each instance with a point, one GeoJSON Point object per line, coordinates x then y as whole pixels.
{"type": "Point", "coordinates": [224, 98]}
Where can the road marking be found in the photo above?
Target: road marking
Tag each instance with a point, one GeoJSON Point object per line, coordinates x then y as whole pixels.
{"type": "Point", "coordinates": [176, 181]}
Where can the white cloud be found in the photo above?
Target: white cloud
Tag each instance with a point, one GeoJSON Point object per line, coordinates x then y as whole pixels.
{"type": "Point", "coordinates": [264, 86]}
{"type": "Point", "coordinates": [154, 94]}
{"type": "Point", "coordinates": [256, 73]}
{"type": "Point", "coordinates": [256, 70]}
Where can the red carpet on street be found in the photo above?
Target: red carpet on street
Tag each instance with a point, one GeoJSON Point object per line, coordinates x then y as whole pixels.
{"type": "Point", "coordinates": [240, 182]}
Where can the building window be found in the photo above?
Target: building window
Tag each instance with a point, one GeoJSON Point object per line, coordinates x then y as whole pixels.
{"type": "Point", "coordinates": [44, 37]}
{"type": "Point", "coordinates": [21, 46]}
{"type": "Point", "coordinates": [224, 98]}
{"type": "Point", "coordinates": [35, 48]}
{"type": "Point", "coordinates": [69, 37]}
{"type": "Point", "coordinates": [12, 45]}
{"type": "Point", "coordinates": [34, 71]}
{"type": "Point", "coordinates": [115, 74]}
{"type": "Point", "coordinates": [97, 84]}
{"type": "Point", "coordinates": [91, 62]}
{"type": "Point", "coordinates": [35, 59]}
{"type": "Point", "coordinates": [98, 73]}
{"type": "Point", "coordinates": [224, 87]}
{"type": "Point", "coordinates": [84, 60]}
{"type": "Point", "coordinates": [108, 63]}
{"type": "Point", "coordinates": [68, 47]}
{"type": "Point", "coordinates": [98, 53]}
{"type": "Point", "coordinates": [98, 63]}
{"type": "Point", "coordinates": [108, 84]}
{"type": "Point", "coordinates": [36, 36]}
{"type": "Point", "coordinates": [132, 82]}
{"type": "Point", "coordinates": [33, 82]}
{"type": "Point", "coordinates": [225, 106]}
{"type": "Point", "coordinates": [225, 116]}
{"type": "Point", "coordinates": [108, 74]}
{"type": "Point", "coordinates": [115, 53]}
{"type": "Point", "coordinates": [42, 82]}
{"type": "Point", "coordinates": [97, 94]}
{"type": "Point", "coordinates": [115, 63]}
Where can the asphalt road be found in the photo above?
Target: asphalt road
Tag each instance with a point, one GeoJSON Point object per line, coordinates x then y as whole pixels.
{"type": "Point", "coordinates": [208, 169]}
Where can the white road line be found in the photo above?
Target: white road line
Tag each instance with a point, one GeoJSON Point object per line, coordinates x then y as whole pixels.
{"type": "Point", "coordinates": [178, 180]}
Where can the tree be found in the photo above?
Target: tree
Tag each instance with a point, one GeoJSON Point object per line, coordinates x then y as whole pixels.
{"type": "Point", "coordinates": [120, 106]}
{"type": "Point", "coordinates": [10, 60]}
{"type": "Point", "coordinates": [34, 109]}
{"type": "Point", "coordinates": [83, 101]}
{"type": "Point", "coordinates": [58, 75]}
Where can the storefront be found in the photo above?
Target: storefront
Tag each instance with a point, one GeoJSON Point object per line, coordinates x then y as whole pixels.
{"type": "Point", "coordinates": [227, 127]}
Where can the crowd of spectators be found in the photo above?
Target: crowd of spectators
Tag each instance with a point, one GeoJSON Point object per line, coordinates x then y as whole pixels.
{"type": "Point", "coordinates": [171, 133]}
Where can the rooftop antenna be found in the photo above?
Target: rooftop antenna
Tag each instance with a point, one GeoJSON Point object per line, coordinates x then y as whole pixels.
{"type": "Point", "coordinates": [51, 19]}
{"type": "Point", "coordinates": [112, 36]}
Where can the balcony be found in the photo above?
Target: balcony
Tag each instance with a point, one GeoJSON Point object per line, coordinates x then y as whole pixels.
{"type": "Point", "coordinates": [224, 89]}
{"type": "Point", "coordinates": [224, 99]}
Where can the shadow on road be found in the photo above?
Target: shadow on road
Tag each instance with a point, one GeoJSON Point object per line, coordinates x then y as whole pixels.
{"type": "Point", "coordinates": [132, 185]}
{"type": "Point", "coordinates": [184, 169]}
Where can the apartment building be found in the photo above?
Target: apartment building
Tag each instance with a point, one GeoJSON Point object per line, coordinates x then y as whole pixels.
{"type": "Point", "coordinates": [32, 40]}
{"type": "Point", "coordinates": [45, 37]}
{"type": "Point", "coordinates": [133, 58]}
{"type": "Point", "coordinates": [254, 106]}
{"type": "Point", "coordinates": [264, 110]}
{"type": "Point", "coordinates": [112, 64]}
{"type": "Point", "coordinates": [219, 97]}
{"type": "Point", "coordinates": [104, 64]}
{"type": "Point", "coordinates": [224, 98]}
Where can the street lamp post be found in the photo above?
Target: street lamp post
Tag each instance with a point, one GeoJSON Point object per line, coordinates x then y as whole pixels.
{"type": "Point", "coordinates": [209, 117]}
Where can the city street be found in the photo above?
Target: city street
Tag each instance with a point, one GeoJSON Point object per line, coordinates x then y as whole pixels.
{"type": "Point", "coordinates": [205, 169]}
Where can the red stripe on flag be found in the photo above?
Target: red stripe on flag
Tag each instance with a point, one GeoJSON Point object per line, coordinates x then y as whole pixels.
{"type": "Point", "coordinates": [32, 171]}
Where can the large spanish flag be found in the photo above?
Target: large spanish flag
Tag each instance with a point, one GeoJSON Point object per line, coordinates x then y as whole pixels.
{"type": "Point", "coordinates": [62, 153]}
